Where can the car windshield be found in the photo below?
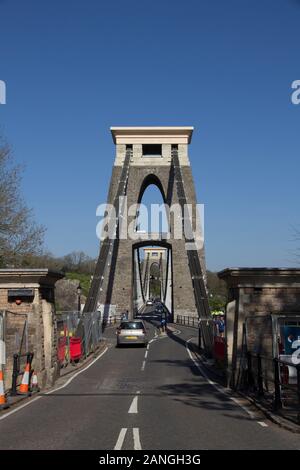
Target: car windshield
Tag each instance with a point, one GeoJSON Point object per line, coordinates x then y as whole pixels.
{"type": "Point", "coordinates": [132, 325]}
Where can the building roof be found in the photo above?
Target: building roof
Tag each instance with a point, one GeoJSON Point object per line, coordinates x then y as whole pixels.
{"type": "Point", "coordinates": [260, 276]}
{"type": "Point", "coordinates": [24, 276]}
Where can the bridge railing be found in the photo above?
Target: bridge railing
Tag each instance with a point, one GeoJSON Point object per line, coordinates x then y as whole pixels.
{"type": "Point", "coordinates": [273, 382]}
{"type": "Point", "coordinates": [219, 342]}
{"type": "Point", "coordinates": [111, 320]}
{"type": "Point", "coordinates": [187, 320]}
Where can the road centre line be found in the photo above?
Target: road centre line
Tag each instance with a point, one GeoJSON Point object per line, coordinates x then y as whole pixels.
{"type": "Point", "coordinates": [120, 439]}
{"type": "Point", "coordinates": [133, 407]}
{"type": "Point", "coordinates": [136, 439]}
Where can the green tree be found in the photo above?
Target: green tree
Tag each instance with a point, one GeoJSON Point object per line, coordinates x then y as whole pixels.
{"type": "Point", "coordinates": [217, 291]}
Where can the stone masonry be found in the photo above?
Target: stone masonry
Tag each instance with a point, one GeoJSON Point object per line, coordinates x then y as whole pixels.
{"type": "Point", "coordinates": [145, 170]}
{"type": "Point", "coordinates": [38, 309]}
{"type": "Point", "coordinates": [257, 298]}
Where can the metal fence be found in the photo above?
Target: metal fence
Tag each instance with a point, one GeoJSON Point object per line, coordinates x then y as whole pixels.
{"type": "Point", "coordinates": [219, 342]}
{"type": "Point", "coordinates": [79, 334]}
{"type": "Point", "coordinates": [111, 320]}
{"type": "Point", "coordinates": [14, 340]}
{"type": "Point", "coordinates": [274, 382]}
{"type": "Point", "coordinates": [187, 320]}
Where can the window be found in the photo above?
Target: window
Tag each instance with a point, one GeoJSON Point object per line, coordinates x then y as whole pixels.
{"type": "Point", "coordinates": [151, 150]}
{"type": "Point", "coordinates": [132, 325]}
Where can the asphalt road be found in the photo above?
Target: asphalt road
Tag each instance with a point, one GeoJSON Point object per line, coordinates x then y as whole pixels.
{"type": "Point", "coordinates": [138, 398]}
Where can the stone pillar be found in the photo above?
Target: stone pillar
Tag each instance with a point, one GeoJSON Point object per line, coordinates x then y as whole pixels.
{"type": "Point", "coordinates": [257, 296]}
{"type": "Point", "coordinates": [27, 298]}
{"type": "Point", "coordinates": [117, 288]}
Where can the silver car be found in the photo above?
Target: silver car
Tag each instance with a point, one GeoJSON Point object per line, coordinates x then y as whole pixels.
{"type": "Point", "coordinates": [132, 332]}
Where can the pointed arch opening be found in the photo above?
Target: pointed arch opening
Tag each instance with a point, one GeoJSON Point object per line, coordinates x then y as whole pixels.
{"type": "Point", "coordinates": [152, 215]}
{"type": "Point", "coordinates": [153, 275]}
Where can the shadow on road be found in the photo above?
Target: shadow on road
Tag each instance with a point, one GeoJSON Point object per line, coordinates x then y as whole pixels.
{"type": "Point", "coordinates": [203, 395]}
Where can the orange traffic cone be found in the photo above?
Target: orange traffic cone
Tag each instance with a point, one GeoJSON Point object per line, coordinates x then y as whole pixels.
{"type": "Point", "coordinates": [24, 387]}
{"type": "Point", "coordinates": [3, 402]}
{"type": "Point", "coordinates": [34, 383]}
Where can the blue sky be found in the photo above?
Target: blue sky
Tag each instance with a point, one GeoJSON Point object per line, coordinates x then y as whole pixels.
{"type": "Point", "coordinates": [74, 68]}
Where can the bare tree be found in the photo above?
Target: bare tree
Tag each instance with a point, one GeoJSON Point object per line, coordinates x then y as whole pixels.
{"type": "Point", "coordinates": [19, 234]}
{"type": "Point", "coordinates": [79, 262]}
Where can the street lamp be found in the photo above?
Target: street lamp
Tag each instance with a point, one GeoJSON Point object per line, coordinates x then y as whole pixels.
{"type": "Point", "coordinates": [79, 297]}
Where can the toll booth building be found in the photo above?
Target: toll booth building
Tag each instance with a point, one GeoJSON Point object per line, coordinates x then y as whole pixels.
{"type": "Point", "coordinates": [27, 321]}
{"type": "Point", "coordinates": [262, 315]}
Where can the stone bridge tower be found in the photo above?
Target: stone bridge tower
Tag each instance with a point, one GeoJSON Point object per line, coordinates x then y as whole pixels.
{"type": "Point", "coordinates": [144, 156]}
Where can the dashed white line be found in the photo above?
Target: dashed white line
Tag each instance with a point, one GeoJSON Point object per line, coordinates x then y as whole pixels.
{"type": "Point", "coordinates": [146, 354]}
{"type": "Point", "coordinates": [143, 365]}
{"type": "Point", "coordinates": [120, 439]}
{"type": "Point", "coordinates": [136, 439]}
{"type": "Point", "coordinates": [133, 407]}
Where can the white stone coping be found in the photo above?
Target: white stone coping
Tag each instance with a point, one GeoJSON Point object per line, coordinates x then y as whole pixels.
{"type": "Point", "coordinates": [19, 276]}
{"type": "Point", "coordinates": [152, 134]}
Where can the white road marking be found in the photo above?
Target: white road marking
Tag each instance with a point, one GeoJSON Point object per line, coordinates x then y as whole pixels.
{"type": "Point", "coordinates": [19, 408]}
{"type": "Point", "coordinates": [146, 354]}
{"type": "Point", "coordinates": [120, 439]}
{"type": "Point", "coordinates": [215, 385]}
{"type": "Point", "coordinates": [263, 424]}
{"type": "Point", "coordinates": [147, 348]}
{"type": "Point", "coordinates": [78, 373]}
{"type": "Point", "coordinates": [136, 439]}
{"type": "Point", "coordinates": [55, 390]}
{"type": "Point", "coordinates": [143, 365]}
{"type": "Point", "coordinates": [176, 332]}
{"type": "Point", "coordinates": [133, 407]}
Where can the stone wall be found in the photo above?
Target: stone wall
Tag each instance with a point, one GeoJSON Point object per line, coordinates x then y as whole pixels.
{"type": "Point", "coordinates": [38, 316]}
{"type": "Point", "coordinates": [256, 295]}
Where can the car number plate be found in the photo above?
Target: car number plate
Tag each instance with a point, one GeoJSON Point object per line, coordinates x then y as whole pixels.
{"type": "Point", "coordinates": [131, 337]}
